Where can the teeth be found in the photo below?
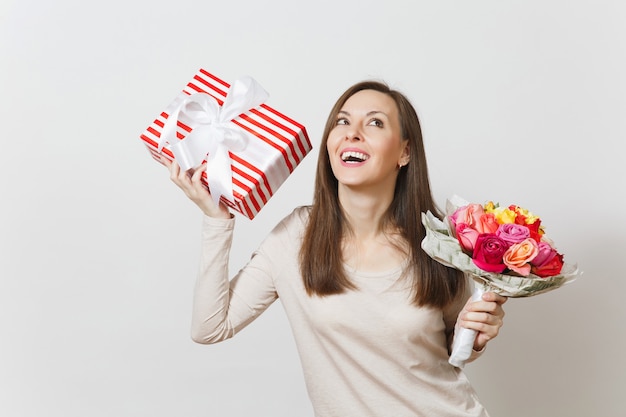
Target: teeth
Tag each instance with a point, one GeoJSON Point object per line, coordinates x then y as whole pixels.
{"type": "Point", "coordinates": [354, 156]}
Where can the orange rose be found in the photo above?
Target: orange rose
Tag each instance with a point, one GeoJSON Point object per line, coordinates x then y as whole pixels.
{"type": "Point", "coordinates": [487, 223]}
{"type": "Point", "coordinates": [518, 256]}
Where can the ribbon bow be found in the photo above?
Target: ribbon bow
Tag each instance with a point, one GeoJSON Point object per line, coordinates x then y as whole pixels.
{"type": "Point", "coordinates": [213, 132]}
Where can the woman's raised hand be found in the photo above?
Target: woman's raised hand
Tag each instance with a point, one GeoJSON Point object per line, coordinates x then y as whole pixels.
{"type": "Point", "coordinates": [191, 184]}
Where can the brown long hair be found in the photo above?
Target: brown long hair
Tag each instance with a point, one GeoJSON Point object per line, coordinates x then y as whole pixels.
{"type": "Point", "coordinates": [320, 254]}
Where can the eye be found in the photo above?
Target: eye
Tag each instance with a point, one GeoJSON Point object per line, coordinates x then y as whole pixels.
{"type": "Point", "coordinates": [375, 122]}
{"type": "Point", "coordinates": [342, 121]}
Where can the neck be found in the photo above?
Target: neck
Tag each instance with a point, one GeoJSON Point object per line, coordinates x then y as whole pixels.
{"type": "Point", "coordinates": [364, 210]}
{"type": "Point", "coordinates": [367, 247]}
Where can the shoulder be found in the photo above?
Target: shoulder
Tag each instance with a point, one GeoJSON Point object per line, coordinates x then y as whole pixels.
{"type": "Point", "coordinates": [299, 217]}
{"type": "Point", "coordinates": [291, 227]}
{"type": "Point", "coordinates": [294, 224]}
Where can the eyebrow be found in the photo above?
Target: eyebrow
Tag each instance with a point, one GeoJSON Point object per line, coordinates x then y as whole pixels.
{"type": "Point", "coordinates": [369, 113]}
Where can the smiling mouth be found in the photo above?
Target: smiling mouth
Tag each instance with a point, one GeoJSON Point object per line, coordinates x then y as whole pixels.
{"type": "Point", "coordinates": [352, 156]}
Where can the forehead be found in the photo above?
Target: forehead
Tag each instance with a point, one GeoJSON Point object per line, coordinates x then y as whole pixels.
{"type": "Point", "coordinates": [366, 101]}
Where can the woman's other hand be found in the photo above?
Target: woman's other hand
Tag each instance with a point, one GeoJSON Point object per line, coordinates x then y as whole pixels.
{"type": "Point", "coordinates": [485, 316]}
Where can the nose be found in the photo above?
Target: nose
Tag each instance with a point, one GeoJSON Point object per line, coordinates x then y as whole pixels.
{"type": "Point", "coordinates": [353, 134]}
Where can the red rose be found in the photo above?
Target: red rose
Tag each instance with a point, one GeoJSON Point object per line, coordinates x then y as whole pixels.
{"type": "Point", "coordinates": [488, 251]}
{"type": "Point", "coordinates": [549, 268]}
{"type": "Point", "coordinates": [535, 231]}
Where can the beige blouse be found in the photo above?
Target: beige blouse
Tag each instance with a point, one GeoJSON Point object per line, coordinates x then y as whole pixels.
{"type": "Point", "coordinates": [366, 352]}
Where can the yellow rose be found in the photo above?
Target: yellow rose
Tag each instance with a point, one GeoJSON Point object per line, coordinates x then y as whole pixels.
{"type": "Point", "coordinates": [490, 207]}
{"type": "Point", "coordinates": [504, 215]}
{"type": "Point", "coordinates": [530, 218]}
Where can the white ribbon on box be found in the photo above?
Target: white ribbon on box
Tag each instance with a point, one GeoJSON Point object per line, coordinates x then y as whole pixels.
{"type": "Point", "coordinates": [213, 132]}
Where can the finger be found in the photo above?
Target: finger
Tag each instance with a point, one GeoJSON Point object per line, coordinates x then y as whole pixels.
{"type": "Point", "coordinates": [182, 179]}
{"type": "Point", "coordinates": [174, 169]}
{"type": "Point", "coordinates": [489, 327]}
{"type": "Point", "coordinates": [492, 296]}
{"type": "Point", "coordinates": [165, 161]}
{"type": "Point", "coordinates": [196, 177]}
{"type": "Point", "coordinates": [484, 306]}
{"type": "Point", "coordinates": [481, 341]}
{"type": "Point", "coordinates": [484, 312]}
{"type": "Point", "coordinates": [183, 176]}
{"type": "Point", "coordinates": [199, 189]}
{"type": "Point", "coordinates": [481, 317]}
{"type": "Point", "coordinates": [495, 316]}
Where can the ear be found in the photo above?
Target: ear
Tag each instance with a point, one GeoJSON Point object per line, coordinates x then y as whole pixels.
{"type": "Point", "coordinates": [405, 156]}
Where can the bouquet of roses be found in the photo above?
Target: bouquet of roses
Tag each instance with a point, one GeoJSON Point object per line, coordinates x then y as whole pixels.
{"type": "Point", "coordinates": [504, 249]}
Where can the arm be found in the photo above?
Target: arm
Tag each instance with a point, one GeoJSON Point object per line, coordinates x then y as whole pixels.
{"type": "Point", "coordinates": [221, 307]}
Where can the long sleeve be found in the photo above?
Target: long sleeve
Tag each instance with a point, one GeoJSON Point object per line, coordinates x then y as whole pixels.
{"type": "Point", "coordinates": [222, 307]}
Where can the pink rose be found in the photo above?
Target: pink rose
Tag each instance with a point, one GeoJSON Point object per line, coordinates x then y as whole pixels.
{"type": "Point", "coordinates": [519, 255]}
{"type": "Point", "coordinates": [469, 215]}
{"type": "Point", "coordinates": [513, 233]}
{"type": "Point", "coordinates": [488, 252]}
{"type": "Point", "coordinates": [545, 254]}
{"type": "Point", "coordinates": [466, 237]}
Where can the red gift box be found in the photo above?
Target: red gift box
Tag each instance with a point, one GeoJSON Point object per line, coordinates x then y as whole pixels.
{"type": "Point", "coordinates": [273, 144]}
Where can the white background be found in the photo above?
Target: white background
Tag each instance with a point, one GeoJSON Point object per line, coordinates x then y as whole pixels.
{"type": "Point", "coordinates": [521, 102]}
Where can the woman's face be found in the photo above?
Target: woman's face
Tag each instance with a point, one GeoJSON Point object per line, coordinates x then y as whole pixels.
{"type": "Point", "coordinates": [365, 146]}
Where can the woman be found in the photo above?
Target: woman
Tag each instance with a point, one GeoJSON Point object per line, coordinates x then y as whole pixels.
{"type": "Point", "coordinates": [373, 316]}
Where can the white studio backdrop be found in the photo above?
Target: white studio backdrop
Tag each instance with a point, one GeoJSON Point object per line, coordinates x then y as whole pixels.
{"type": "Point", "coordinates": [522, 102]}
